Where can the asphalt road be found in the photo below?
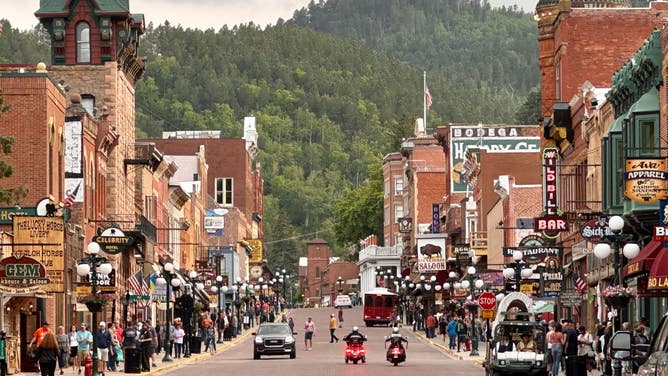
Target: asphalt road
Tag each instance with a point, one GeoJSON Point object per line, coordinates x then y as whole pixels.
{"type": "Point", "coordinates": [327, 358]}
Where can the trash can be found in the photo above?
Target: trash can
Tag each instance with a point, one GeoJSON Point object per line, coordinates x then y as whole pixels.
{"type": "Point", "coordinates": [196, 345]}
{"type": "Point", "coordinates": [132, 359]}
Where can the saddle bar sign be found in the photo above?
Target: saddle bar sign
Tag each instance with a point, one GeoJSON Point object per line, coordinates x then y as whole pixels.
{"type": "Point", "coordinates": [431, 252]}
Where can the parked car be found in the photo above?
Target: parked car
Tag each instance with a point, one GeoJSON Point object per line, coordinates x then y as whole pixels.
{"type": "Point", "coordinates": [343, 301]}
{"type": "Point", "coordinates": [274, 339]}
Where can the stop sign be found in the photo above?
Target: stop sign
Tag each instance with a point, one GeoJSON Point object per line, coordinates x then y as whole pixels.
{"type": "Point", "coordinates": [487, 300]}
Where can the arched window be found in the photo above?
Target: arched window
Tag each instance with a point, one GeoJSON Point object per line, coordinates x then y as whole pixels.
{"type": "Point", "coordinates": [83, 43]}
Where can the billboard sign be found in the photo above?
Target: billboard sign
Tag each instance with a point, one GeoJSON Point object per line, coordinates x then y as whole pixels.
{"type": "Point", "coordinates": [42, 238]}
{"type": "Point", "coordinates": [493, 139]}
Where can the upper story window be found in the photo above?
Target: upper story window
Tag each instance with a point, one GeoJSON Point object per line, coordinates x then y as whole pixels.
{"type": "Point", "coordinates": [399, 186]}
{"type": "Point", "coordinates": [398, 212]}
{"type": "Point", "coordinates": [386, 188]}
{"type": "Point", "coordinates": [88, 103]}
{"type": "Point", "coordinates": [83, 43]}
{"type": "Point", "coordinates": [224, 190]}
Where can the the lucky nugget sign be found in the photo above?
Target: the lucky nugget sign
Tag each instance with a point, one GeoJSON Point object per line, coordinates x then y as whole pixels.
{"type": "Point", "coordinates": [30, 235]}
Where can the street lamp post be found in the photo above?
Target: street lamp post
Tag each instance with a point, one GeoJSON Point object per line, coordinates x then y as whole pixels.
{"type": "Point", "coordinates": [619, 242]}
{"type": "Point", "coordinates": [517, 269]}
{"type": "Point", "coordinates": [192, 275]}
{"type": "Point", "coordinates": [629, 250]}
{"type": "Point", "coordinates": [169, 279]}
{"type": "Point", "coordinates": [220, 289]}
{"type": "Point", "coordinates": [91, 266]}
{"type": "Point", "coordinates": [473, 283]}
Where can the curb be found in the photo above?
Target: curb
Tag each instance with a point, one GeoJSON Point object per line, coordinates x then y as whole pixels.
{"type": "Point", "coordinates": [474, 359]}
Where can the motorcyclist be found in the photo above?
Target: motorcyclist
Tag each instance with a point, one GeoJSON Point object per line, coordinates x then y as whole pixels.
{"type": "Point", "coordinates": [396, 340]}
{"type": "Point", "coordinates": [355, 337]}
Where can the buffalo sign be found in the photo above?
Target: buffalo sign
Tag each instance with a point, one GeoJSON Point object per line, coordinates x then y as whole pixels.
{"type": "Point", "coordinates": [431, 252]}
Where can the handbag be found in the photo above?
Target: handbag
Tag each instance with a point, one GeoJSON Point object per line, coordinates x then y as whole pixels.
{"type": "Point", "coordinates": [119, 353]}
{"type": "Point", "coordinates": [31, 352]}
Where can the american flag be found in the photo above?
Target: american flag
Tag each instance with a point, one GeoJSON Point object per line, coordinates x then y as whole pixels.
{"type": "Point", "coordinates": [580, 284]}
{"type": "Point", "coordinates": [427, 97]}
{"type": "Point", "coordinates": [134, 283]}
{"type": "Point", "coordinates": [69, 200]}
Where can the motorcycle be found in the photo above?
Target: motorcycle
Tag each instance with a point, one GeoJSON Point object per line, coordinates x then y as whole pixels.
{"type": "Point", "coordinates": [396, 353]}
{"type": "Point", "coordinates": [355, 352]}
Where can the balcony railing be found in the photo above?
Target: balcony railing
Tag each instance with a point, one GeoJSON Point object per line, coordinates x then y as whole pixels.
{"type": "Point", "coordinates": [376, 251]}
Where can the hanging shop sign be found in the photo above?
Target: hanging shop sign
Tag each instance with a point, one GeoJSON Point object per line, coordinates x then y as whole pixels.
{"type": "Point", "coordinates": [257, 253]}
{"type": "Point", "coordinates": [595, 230]}
{"type": "Point", "coordinates": [645, 179]}
{"type": "Point", "coordinates": [431, 252]}
{"type": "Point", "coordinates": [22, 272]}
{"type": "Point", "coordinates": [552, 223]}
{"type": "Point", "coordinates": [113, 241]}
{"type": "Point", "coordinates": [42, 238]}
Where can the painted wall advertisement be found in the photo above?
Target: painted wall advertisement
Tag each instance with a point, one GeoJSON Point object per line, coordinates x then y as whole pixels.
{"type": "Point", "coordinates": [42, 239]}
{"type": "Point", "coordinates": [645, 179]}
{"type": "Point", "coordinates": [73, 137]}
{"type": "Point", "coordinates": [431, 253]}
{"type": "Point", "coordinates": [494, 139]}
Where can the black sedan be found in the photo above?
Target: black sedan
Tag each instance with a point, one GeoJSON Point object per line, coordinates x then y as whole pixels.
{"type": "Point", "coordinates": [274, 339]}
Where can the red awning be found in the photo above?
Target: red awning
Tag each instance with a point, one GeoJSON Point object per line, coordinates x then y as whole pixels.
{"type": "Point", "coordinates": [658, 274]}
{"type": "Point", "coordinates": [644, 261]}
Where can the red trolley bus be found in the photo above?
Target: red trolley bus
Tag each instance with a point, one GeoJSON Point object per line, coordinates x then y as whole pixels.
{"type": "Point", "coordinates": [379, 306]}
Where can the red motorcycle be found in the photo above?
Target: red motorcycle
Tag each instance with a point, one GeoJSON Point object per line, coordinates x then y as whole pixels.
{"type": "Point", "coordinates": [355, 352]}
{"type": "Point", "coordinates": [396, 354]}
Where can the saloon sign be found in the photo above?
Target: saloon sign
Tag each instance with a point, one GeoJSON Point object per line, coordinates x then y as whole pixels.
{"type": "Point", "coordinates": [645, 179]}
{"type": "Point", "coordinates": [22, 272]}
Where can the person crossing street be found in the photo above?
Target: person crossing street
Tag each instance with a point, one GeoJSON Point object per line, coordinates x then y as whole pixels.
{"type": "Point", "coordinates": [332, 329]}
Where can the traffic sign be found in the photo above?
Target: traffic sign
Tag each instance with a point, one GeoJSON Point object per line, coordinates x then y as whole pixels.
{"type": "Point", "coordinates": [487, 301]}
{"type": "Point", "coordinates": [487, 314]}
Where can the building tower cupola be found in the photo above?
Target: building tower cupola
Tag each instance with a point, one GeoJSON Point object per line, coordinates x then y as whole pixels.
{"type": "Point", "coordinates": [88, 32]}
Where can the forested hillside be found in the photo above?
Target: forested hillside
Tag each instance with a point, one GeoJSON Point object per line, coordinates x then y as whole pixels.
{"type": "Point", "coordinates": [493, 52]}
{"type": "Point", "coordinates": [327, 107]}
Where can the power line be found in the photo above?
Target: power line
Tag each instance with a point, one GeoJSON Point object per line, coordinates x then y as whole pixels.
{"type": "Point", "coordinates": [291, 238]}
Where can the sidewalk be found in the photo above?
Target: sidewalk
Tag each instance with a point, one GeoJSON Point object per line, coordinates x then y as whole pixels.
{"type": "Point", "coordinates": [464, 355]}
{"type": "Point", "coordinates": [163, 366]}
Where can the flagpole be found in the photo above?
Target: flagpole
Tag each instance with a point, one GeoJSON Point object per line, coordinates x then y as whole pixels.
{"type": "Point", "coordinates": [424, 99]}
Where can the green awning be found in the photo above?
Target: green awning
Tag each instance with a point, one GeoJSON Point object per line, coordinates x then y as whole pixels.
{"type": "Point", "coordinates": [616, 127]}
{"type": "Point", "coordinates": [649, 102]}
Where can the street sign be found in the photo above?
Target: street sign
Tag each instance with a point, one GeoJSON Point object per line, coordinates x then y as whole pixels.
{"type": "Point", "coordinates": [487, 314]}
{"type": "Point", "coordinates": [139, 297]}
{"type": "Point", "coordinates": [487, 301]}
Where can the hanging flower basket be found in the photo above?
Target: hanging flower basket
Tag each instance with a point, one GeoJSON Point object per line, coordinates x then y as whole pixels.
{"type": "Point", "coordinates": [618, 296]}
{"type": "Point", "coordinates": [96, 302]}
{"type": "Point", "coordinates": [471, 305]}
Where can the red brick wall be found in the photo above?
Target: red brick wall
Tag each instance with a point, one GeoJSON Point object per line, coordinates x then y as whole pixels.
{"type": "Point", "coordinates": [318, 253]}
{"type": "Point", "coordinates": [592, 44]}
{"type": "Point", "coordinates": [35, 120]}
{"type": "Point", "coordinates": [393, 167]}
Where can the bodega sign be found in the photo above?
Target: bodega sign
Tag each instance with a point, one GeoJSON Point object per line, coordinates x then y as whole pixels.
{"type": "Point", "coordinates": [552, 223]}
{"type": "Point", "coordinates": [645, 179]}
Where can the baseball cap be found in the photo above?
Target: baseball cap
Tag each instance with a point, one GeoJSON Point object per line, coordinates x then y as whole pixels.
{"type": "Point", "coordinates": [45, 323]}
{"type": "Point", "coordinates": [102, 323]}
{"type": "Point", "coordinates": [83, 325]}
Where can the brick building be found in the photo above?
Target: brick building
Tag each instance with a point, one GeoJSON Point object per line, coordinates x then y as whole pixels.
{"type": "Point", "coordinates": [318, 255]}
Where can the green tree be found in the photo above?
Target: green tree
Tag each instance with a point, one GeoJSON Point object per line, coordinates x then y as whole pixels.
{"type": "Point", "coordinates": [530, 111]}
{"type": "Point", "coordinates": [359, 213]}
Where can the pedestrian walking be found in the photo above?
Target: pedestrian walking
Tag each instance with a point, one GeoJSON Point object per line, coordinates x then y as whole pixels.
{"type": "Point", "coordinates": [340, 317]}
{"type": "Point", "coordinates": [47, 354]}
{"type": "Point", "coordinates": [332, 329]}
{"type": "Point", "coordinates": [309, 332]}
{"type": "Point", "coordinates": [462, 334]}
{"type": "Point", "coordinates": [291, 323]}
{"type": "Point", "coordinates": [571, 349]}
{"type": "Point", "coordinates": [442, 327]}
{"type": "Point", "coordinates": [84, 340]}
{"type": "Point", "coordinates": [74, 345]}
{"type": "Point", "coordinates": [147, 346]}
{"type": "Point", "coordinates": [103, 342]}
{"type": "Point", "coordinates": [452, 332]}
{"type": "Point", "coordinates": [64, 348]}
{"type": "Point", "coordinates": [430, 327]}
{"type": "Point", "coordinates": [179, 333]}
{"type": "Point", "coordinates": [555, 341]}
{"type": "Point", "coordinates": [585, 348]}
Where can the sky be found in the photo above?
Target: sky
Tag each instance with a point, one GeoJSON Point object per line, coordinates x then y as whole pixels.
{"type": "Point", "coordinates": [201, 14]}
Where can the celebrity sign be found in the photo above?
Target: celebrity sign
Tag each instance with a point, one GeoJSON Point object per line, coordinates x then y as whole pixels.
{"type": "Point", "coordinates": [42, 238]}
{"type": "Point", "coordinates": [645, 179]}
